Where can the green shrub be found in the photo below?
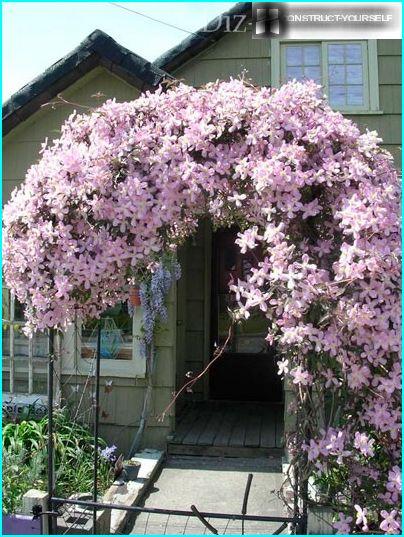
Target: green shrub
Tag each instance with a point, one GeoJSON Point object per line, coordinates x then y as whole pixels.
{"type": "Point", "coordinates": [25, 459]}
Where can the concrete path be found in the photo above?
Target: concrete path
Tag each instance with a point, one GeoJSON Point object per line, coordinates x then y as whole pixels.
{"type": "Point", "coordinates": [212, 484]}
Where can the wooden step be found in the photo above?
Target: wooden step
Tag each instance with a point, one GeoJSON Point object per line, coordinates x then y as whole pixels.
{"type": "Point", "coordinates": [223, 451]}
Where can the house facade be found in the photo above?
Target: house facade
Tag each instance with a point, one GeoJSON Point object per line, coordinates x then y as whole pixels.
{"type": "Point", "coordinates": [362, 79]}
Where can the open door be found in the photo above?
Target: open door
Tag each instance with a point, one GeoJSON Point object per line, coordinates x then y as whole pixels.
{"type": "Point", "coordinates": [247, 371]}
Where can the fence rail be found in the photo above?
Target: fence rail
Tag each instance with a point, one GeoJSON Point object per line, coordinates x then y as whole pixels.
{"type": "Point", "coordinates": [298, 522]}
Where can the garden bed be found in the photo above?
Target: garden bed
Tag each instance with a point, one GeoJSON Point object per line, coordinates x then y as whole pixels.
{"type": "Point", "coordinates": [25, 459]}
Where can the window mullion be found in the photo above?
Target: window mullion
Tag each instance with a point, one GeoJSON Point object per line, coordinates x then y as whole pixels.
{"type": "Point", "coordinates": [324, 67]}
{"type": "Point", "coordinates": [366, 77]}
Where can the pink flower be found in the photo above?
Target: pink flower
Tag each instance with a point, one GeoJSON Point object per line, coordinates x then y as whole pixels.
{"type": "Point", "coordinates": [311, 209]}
{"type": "Point", "coordinates": [283, 367]}
{"type": "Point", "coordinates": [247, 240]}
{"type": "Point", "coordinates": [300, 376]}
{"type": "Point", "coordinates": [395, 481]}
{"type": "Point", "coordinates": [237, 199]}
{"type": "Point", "coordinates": [361, 519]}
{"type": "Point", "coordinates": [314, 450]}
{"type": "Point", "coordinates": [390, 524]}
{"type": "Point", "coordinates": [364, 444]}
{"type": "Point", "coordinates": [331, 380]}
{"type": "Point", "coordinates": [358, 376]}
{"type": "Point", "coordinates": [343, 524]}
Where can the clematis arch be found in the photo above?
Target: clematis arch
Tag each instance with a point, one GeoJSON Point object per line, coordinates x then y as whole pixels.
{"type": "Point", "coordinates": [128, 183]}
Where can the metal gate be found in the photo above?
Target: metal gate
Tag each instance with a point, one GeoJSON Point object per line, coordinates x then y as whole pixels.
{"type": "Point", "coordinates": [210, 522]}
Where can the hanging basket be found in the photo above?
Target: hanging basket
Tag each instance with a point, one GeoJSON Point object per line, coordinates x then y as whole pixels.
{"type": "Point", "coordinates": [134, 297]}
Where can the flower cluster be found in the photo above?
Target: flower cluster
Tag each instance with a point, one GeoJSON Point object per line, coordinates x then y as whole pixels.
{"type": "Point", "coordinates": [153, 294]}
{"type": "Point", "coordinates": [131, 181]}
{"type": "Point", "coordinates": [108, 453]}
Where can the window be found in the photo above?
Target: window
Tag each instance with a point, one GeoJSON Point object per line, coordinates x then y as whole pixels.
{"type": "Point", "coordinates": [346, 74]}
{"type": "Point", "coordinates": [120, 345]}
{"type": "Point", "coordinates": [346, 69]}
{"type": "Point", "coordinates": [302, 62]}
{"type": "Point", "coordinates": [24, 359]}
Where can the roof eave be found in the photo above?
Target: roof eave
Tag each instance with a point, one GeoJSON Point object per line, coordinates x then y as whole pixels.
{"type": "Point", "coordinates": [97, 49]}
{"type": "Point", "coordinates": [192, 45]}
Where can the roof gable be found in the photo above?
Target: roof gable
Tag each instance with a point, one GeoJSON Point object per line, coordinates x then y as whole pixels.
{"type": "Point", "coordinates": [200, 40]}
{"type": "Point", "coordinates": [98, 49]}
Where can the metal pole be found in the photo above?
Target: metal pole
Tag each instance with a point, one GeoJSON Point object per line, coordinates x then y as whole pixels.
{"type": "Point", "coordinates": [245, 500]}
{"type": "Point", "coordinates": [304, 494]}
{"type": "Point", "coordinates": [296, 496]}
{"type": "Point", "coordinates": [176, 512]}
{"type": "Point", "coordinates": [204, 521]}
{"type": "Point", "coordinates": [96, 423]}
{"type": "Point", "coordinates": [51, 485]}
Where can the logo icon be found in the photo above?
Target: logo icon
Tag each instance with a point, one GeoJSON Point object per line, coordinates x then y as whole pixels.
{"type": "Point", "coordinates": [268, 20]}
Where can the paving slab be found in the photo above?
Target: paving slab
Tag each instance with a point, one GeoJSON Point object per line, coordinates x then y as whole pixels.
{"type": "Point", "coordinates": [212, 484]}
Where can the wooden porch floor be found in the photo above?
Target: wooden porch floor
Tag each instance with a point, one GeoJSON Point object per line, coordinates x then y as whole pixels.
{"type": "Point", "coordinates": [229, 428]}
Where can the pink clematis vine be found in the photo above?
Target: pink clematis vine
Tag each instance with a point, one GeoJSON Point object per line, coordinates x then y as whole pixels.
{"type": "Point", "coordinates": [129, 182]}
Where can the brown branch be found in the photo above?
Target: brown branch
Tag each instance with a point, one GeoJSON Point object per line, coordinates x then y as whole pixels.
{"type": "Point", "coordinates": [62, 101]}
{"type": "Point", "coordinates": [216, 355]}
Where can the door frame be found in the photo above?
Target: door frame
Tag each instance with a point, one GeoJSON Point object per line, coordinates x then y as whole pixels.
{"type": "Point", "coordinates": [207, 343]}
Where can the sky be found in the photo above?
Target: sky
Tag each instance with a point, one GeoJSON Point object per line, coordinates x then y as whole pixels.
{"type": "Point", "coordinates": [37, 34]}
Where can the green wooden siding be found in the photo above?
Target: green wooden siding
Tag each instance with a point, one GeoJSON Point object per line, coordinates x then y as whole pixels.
{"type": "Point", "coordinates": [193, 310]}
{"type": "Point", "coordinates": [235, 52]}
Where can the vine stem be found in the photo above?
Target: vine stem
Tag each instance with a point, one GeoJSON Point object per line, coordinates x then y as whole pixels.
{"type": "Point", "coordinates": [151, 363]}
{"type": "Point", "coordinates": [217, 354]}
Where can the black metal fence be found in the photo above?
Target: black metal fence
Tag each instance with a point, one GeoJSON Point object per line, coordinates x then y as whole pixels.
{"type": "Point", "coordinates": [184, 521]}
{"type": "Point", "coordinates": [151, 520]}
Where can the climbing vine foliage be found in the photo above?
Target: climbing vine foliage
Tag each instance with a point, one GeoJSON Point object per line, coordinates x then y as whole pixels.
{"type": "Point", "coordinates": [129, 182]}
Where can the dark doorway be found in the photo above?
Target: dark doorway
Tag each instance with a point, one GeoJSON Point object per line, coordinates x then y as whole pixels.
{"type": "Point", "coordinates": [247, 371]}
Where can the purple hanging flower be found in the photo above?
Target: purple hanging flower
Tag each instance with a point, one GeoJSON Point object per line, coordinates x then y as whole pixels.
{"type": "Point", "coordinates": [153, 295]}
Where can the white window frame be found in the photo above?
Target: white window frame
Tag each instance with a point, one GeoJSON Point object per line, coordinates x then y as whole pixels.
{"type": "Point", "coordinates": [370, 68]}
{"type": "Point", "coordinates": [31, 364]}
{"type": "Point", "coordinates": [75, 364]}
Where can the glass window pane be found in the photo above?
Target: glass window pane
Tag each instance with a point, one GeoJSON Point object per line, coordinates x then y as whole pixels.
{"type": "Point", "coordinates": [337, 95]}
{"type": "Point", "coordinates": [294, 72]}
{"type": "Point", "coordinates": [116, 335]}
{"type": "Point", "coordinates": [294, 56]}
{"type": "Point", "coordinates": [312, 55]}
{"type": "Point", "coordinates": [336, 74]}
{"type": "Point", "coordinates": [354, 74]}
{"type": "Point", "coordinates": [18, 311]}
{"type": "Point", "coordinates": [312, 73]}
{"type": "Point", "coordinates": [335, 54]}
{"type": "Point", "coordinates": [353, 53]}
{"type": "Point", "coordinates": [355, 95]}
{"type": "Point", "coordinates": [40, 346]}
{"type": "Point", "coordinates": [20, 342]}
